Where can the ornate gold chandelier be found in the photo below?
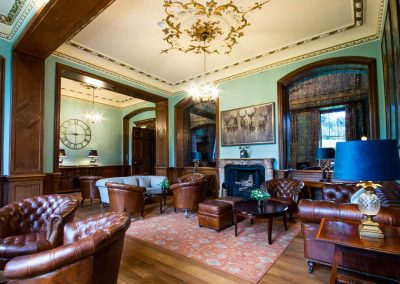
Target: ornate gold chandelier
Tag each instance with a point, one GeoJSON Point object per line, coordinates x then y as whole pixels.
{"type": "Point", "coordinates": [186, 23]}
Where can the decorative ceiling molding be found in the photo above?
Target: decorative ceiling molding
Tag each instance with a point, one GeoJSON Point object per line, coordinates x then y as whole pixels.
{"type": "Point", "coordinates": [13, 13]}
{"type": "Point", "coordinates": [208, 28]}
{"type": "Point", "coordinates": [17, 12]}
{"type": "Point", "coordinates": [358, 14]}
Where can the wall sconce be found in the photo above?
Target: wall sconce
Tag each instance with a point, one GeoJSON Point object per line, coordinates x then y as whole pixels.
{"type": "Point", "coordinates": [93, 155]}
{"type": "Point", "coordinates": [61, 155]}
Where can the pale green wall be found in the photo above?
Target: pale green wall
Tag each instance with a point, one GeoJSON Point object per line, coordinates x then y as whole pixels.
{"type": "Point", "coordinates": [262, 88]}
{"type": "Point", "coordinates": [6, 53]}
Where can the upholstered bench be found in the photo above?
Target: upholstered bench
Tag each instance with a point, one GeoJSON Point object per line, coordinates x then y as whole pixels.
{"type": "Point", "coordinates": [215, 214]}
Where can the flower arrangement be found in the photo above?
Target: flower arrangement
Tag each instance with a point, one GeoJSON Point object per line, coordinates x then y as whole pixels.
{"type": "Point", "coordinates": [259, 195]}
{"type": "Point", "coordinates": [164, 184]}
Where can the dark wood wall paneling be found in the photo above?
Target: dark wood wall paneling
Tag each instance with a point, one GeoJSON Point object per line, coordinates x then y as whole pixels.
{"type": "Point", "coordinates": [2, 80]}
{"type": "Point", "coordinates": [53, 24]}
{"type": "Point", "coordinates": [283, 102]}
{"type": "Point", "coordinates": [391, 69]}
{"type": "Point", "coordinates": [162, 145]}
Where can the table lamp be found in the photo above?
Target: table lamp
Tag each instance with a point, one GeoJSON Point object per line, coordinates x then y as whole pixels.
{"type": "Point", "coordinates": [196, 158]}
{"type": "Point", "coordinates": [93, 155]}
{"type": "Point", "coordinates": [368, 162]}
{"type": "Point", "coordinates": [325, 155]}
{"type": "Point", "coordinates": [61, 155]}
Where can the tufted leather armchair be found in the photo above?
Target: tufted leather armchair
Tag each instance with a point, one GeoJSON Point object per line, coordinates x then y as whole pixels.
{"type": "Point", "coordinates": [338, 192]}
{"type": "Point", "coordinates": [34, 224]}
{"type": "Point", "coordinates": [91, 254]}
{"type": "Point", "coordinates": [126, 198]}
{"type": "Point", "coordinates": [285, 190]}
{"type": "Point", "coordinates": [89, 188]}
{"type": "Point", "coordinates": [189, 191]}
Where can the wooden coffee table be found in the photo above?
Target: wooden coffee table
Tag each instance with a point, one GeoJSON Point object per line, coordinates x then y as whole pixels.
{"type": "Point", "coordinates": [160, 194]}
{"type": "Point", "coordinates": [345, 237]}
{"type": "Point", "coordinates": [270, 209]}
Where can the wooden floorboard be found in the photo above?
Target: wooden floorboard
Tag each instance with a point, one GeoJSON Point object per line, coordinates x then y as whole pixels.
{"type": "Point", "coordinates": [145, 263]}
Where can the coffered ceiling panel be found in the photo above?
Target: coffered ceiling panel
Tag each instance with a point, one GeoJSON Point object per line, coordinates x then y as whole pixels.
{"type": "Point", "coordinates": [126, 39]}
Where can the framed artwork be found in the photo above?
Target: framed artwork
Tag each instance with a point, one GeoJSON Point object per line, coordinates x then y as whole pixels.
{"type": "Point", "coordinates": [248, 125]}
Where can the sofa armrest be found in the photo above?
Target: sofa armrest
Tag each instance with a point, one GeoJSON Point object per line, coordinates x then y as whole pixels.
{"type": "Point", "coordinates": [187, 184]}
{"type": "Point", "coordinates": [312, 211]}
{"type": "Point", "coordinates": [128, 187]}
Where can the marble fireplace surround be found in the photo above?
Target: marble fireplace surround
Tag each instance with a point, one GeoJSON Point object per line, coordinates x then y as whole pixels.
{"type": "Point", "coordinates": [267, 163]}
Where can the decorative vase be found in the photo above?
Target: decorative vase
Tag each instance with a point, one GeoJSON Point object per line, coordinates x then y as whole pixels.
{"type": "Point", "coordinates": [260, 203]}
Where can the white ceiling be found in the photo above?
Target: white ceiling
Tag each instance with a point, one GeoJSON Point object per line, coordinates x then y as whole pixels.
{"type": "Point", "coordinates": [75, 90]}
{"type": "Point", "coordinates": [125, 40]}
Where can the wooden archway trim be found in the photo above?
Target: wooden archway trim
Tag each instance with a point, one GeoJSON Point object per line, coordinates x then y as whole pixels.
{"type": "Point", "coordinates": [283, 103]}
{"type": "Point", "coordinates": [126, 132]}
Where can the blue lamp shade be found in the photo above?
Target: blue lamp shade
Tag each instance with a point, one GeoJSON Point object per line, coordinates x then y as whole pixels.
{"type": "Point", "coordinates": [196, 156]}
{"type": "Point", "coordinates": [325, 153]}
{"type": "Point", "coordinates": [372, 160]}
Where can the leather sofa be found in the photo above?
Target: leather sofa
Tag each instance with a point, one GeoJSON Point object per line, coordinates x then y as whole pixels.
{"type": "Point", "coordinates": [88, 187]}
{"type": "Point", "coordinates": [311, 213]}
{"type": "Point", "coordinates": [91, 254]}
{"type": "Point", "coordinates": [189, 191]}
{"type": "Point", "coordinates": [149, 182]}
{"type": "Point", "coordinates": [34, 224]}
{"type": "Point", "coordinates": [284, 190]}
{"type": "Point", "coordinates": [126, 198]}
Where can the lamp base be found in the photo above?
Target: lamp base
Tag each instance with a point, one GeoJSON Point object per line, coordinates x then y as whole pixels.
{"type": "Point", "coordinates": [370, 229]}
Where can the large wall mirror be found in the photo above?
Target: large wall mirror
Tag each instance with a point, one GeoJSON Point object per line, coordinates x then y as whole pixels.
{"type": "Point", "coordinates": [196, 133]}
{"type": "Point", "coordinates": [323, 103]}
{"type": "Point", "coordinates": [105, 123]}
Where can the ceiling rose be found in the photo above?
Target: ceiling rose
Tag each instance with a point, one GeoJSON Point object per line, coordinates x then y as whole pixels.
{"type": "Point", "coordinates": [186, 23]}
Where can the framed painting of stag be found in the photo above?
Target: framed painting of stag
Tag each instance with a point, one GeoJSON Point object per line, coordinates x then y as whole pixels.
{"type": "Point", "coordinates": [248, 125]}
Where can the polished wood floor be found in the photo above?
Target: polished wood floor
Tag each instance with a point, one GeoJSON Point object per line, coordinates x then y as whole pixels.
{"type": "Point", "coordinates": [143, 263]}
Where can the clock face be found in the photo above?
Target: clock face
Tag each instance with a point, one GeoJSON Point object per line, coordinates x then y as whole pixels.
{"type": "Point", "coordinates": [75, 134]}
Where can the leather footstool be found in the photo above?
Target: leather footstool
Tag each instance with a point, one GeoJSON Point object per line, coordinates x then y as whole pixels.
{"type": "Point", "coordinates": [230, 199]}
{"type": "Point", "coordinates": [215, 214]}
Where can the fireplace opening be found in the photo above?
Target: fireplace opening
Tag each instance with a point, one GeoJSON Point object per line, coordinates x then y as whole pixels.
{"type": "Point", "coordinates": [240, 180]}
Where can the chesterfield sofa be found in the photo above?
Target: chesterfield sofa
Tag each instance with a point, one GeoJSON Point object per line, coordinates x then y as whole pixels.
{"type": "Point", "coordinates": [91, 254]}
{"type": "Point", "coordinates": [149, 182]}
{"type": "Point", "coordinates": [311, 213]}
{"type": "Point", "coordinates": [34, 224]}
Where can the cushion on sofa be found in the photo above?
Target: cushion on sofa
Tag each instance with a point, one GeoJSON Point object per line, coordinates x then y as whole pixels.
{"type": "Point", "coordinates": [132, 180]}
{"type": "Point", "coordinates": [144, 181]}
{"type": "Point", "coordinates": [156, 181]}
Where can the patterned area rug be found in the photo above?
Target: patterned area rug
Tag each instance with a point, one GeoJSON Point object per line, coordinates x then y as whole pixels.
{"type": "Point", "coordinates": [247, 256]}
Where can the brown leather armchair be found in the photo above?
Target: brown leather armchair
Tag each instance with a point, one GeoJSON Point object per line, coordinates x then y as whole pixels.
{"type": "Point", "coordinates": [126, 198]}
{"type": "Point", "coordinates": [189, 191]}
{"type": "Point", "coordinates": [34, 224]}
{"type": "Point", "coordinates": [91, 254]}
{"type": "Point", "coordinates": [285, 190]}
{"type": "Point", "coordinates": [89, 188]}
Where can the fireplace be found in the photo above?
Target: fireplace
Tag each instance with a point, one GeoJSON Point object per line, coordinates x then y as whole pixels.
{"type": "Point", "coordinates": [244, 179]}
{"type": "Point", "coordinates": [240, 180]}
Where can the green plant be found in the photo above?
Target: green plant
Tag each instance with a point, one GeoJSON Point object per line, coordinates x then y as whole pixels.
{"type": "Point", "coordinates": [164, 184]}
{"type": "Point", "coordinates": [259, 194]}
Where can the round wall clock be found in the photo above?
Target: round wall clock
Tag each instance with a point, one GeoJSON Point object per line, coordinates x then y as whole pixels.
{"type": "Point", "coordinates": [75, 134]}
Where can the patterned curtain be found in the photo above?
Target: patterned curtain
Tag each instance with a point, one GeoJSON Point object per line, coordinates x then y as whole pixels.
{"type": "Point", "coordinates": [305, 130]}
{"type": "Point", "coordinates": [355, 125]}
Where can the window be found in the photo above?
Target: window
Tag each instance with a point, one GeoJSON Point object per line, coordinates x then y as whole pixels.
{"type": "Point", "coordinates": [333, 128]}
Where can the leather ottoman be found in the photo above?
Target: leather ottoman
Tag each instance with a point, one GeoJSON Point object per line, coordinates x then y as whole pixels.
{"type": "Point", "coordinates": [215, 214]}
{"type": "Point", "coordinates": [232, 200]}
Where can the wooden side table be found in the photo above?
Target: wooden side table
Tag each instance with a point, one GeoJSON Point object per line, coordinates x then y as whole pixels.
{"type": "Point", "coordinates": [345, 237]}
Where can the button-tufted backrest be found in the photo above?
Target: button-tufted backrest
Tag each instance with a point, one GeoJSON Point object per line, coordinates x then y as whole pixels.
{"type": "Point", "coordinates": [34, 214]}
{"type": "Point", "coordinates": [190, 177]}
{"type": "Point", "coordinates": [106, 222]}
{"type": "Point", "coordinates": [284, 188]}
{"type": "Point", "coordinates": [338, 192]}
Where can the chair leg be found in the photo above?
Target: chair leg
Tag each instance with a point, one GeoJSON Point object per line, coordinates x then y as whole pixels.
{"type": "Point", "coordinates": [91, 201]}
{"type": "Point", "coordinates": [83, 199]}
{"type": "Point", "coordinates": [175, 209]}
{"type": "Point", "coordinates": [186, 213]}
{"type": "Point", "coordinates": [311, 265]}
{"type": "Point", "coordinates": [142, 213]}
{"type": "Point", "coordinates": [291, 215]}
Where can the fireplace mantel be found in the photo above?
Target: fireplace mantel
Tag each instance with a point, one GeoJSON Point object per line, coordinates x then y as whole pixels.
{"type": "Point", "coordinates": [268, 164]}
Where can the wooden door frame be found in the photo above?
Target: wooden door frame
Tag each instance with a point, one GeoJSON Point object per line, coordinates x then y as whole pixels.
{"type": "Point", "coordinates": [62, 69]}
{"type": "Point", "coordinates": [179, 108]}
{"type": "Point", "coordinates": [2, 86]}
{"type": "Point", "coordinates": [283, 102]}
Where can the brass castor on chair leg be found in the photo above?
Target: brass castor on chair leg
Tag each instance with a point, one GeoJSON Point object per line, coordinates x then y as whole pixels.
{"type": "Point", "coordinates": [311, 265]}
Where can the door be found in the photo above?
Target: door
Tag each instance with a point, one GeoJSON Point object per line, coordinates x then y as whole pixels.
{"type": "Point", "coordinates": [142, 151]}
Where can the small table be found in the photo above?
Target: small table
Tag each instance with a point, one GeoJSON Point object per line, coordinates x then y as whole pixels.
{"type": "Point", "coordinates": [345, 237]}
{"type": "Point", "coordinates": [160, 194]}
{"type": "Point", "coordinates": [250, 209]}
